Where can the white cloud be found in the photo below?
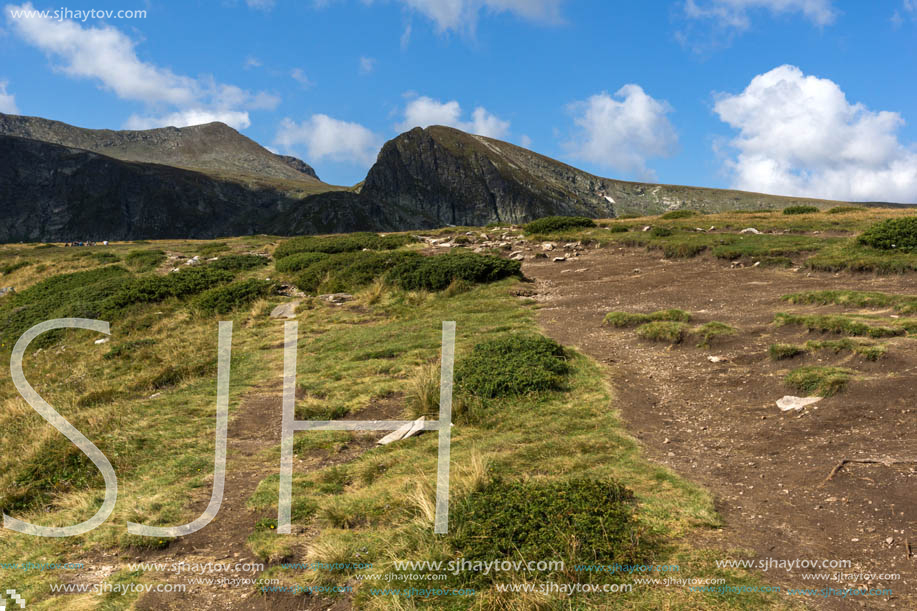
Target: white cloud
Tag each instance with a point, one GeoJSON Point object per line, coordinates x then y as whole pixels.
{"type": "Point", "coordinates": [424, 111]}
{"type": "Point", "coordinates": [7, 100]}
{"type": "Point", "coordinates": [252, 62]}
{"type": "Point", "coordinates": [107, 55]}
{"type": "Point", "coordinates": [367, 64]}
{"type": "Point", "coordinates": [525, 142]}
{"type": "Point", "coordinates": [735, 13]}
{"type": "Point", "coordinates": [463, 14]}
{"type": "Point", "coordinates": [325, 137]}
{"type": "Point", "coordinates": [300, 77]}
{"type": "Point", "coordinates": [622, 133]}
{"type": "Point", "coordinates": [798, 135]}
{"type": "Point", "coordinates": [234, 118]}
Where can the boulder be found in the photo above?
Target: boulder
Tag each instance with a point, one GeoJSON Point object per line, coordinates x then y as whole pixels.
{"type": "Point", "coordinates": [336, 298]}
{"type": "Point", "coordinates": [286, 310]}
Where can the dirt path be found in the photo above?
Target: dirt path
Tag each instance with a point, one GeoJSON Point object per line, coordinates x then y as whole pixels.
{"type": "Point", "coordinates": [717, 423]}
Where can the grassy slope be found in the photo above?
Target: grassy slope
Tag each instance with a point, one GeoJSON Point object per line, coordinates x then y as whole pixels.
{"type": "Point", "coordinates": [161, 446]}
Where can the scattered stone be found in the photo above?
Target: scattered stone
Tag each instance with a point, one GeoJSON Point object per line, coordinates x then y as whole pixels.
{"type": "Point", "coordinates": [790, 402]}
{"type": "Point", "coordinates": [286, 310]}
{"type": "Point", "coordinates": [699, 229]}
{"type": "Point", "coordinates": [6, 291]}
{"type": "Point", "coordinates": [647, 228]}
{"type": "Point", "coordinates": [750, 230]}
{"type": "Point", "coordinates": [757, 263]}
{"type": "Point", "coordinates": [289, 290]}
{"type": "Point", "coordinates": [153, 396]}
{"type": "Point", "coordinates": [581, 270]}
{"type": "Point", "coordinates": [559, 259]}
{"type": "Point", "coordinates": [547, 246]}
{"type": "Point", "coordinates": [195, 260]}
{"type": "Point", "coordinates": [104, 340]}
{"type": "Point", "coordinates": [636, 270]}
{"type": "Point", "coordinates": [517, 256]}
{"type": "Point", "coordinates": [337, 298]}
{"type": "Point", "coordinates": [213, 259]}
{"type": "Point", "coordinates": [717, 359]}
{"type": "Point", "coordinates": [540, 255]}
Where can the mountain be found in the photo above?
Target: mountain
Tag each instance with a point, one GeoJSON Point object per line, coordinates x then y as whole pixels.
{"type": "Point", "coordinates": [441, 175]}
{"type": "Point", "coordinates": [213, 148]}
{"type": "Point", "coordinates": [64, 183]}
{"type": "Point", "coordinates": [50, 192]}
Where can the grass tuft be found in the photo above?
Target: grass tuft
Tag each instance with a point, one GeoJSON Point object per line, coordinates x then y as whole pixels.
{"type": "Point", "coordinates": [820, 381]}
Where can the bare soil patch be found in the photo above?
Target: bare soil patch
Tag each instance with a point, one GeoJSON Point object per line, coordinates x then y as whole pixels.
{"type": "Point", "coordinates": [717, 423]}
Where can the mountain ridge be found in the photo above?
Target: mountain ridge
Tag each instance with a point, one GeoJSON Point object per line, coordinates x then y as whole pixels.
{"type": "Point", "coordinates": [190, 182]}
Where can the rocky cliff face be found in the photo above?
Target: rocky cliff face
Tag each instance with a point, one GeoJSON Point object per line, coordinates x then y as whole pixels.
{"type": "Point", "coordinates": [54, 193]}
{"type": "Point", "coordinates": [209, 181]}
{"type": "Point", "coordinates": [439, 175]}
{"type": "Point", "coordinates": [214, 148]}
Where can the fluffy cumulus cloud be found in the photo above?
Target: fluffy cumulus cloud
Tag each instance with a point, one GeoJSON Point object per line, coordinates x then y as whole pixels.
{"type": "Point", "coordinates": [424, 111]}
{"type": "Point", "coordinates": [622, 131]}
{"type": "Point", "coordinates": [7, 100]}
{"type": "Point", "coordinates": [735, 13]}
{"type": "Point", "coordinates": [463, 14]}
{"type": "Point", "coordinates": [106, 55]}
{"type": "Point", "coordinates": [325, 137]}
{"type": "Point", "coordinates": [799, 135]}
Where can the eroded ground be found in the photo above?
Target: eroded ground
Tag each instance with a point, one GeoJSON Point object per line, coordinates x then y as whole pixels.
{"type": "Point", "coordinates": [718, 424]}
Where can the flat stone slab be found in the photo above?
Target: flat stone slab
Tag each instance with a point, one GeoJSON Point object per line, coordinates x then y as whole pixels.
{"type": "Point", "coordinates": [286, 310]}
{"type": "Point", "coordinates": [790, 402]}
{"type": "Point", "coordinates": [403, 432]}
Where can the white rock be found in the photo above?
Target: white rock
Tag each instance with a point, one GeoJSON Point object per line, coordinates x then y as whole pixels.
{"type": "Point", "coordinates": [559, 259]}
{"type": "Point", "coordinates": [750, 230]}
{"type": "Point", "coordinates": [547, 246]}
{"type": "Point", "coordinates": [409, 429]}
{"type": "Point", "coordinates": [104, 340]}
{"type": "Point", "coordinates": [790, 402]}
{"type": "Point", "coordinates": [717, 359]}
{"type": "Point", "coordinates": [286, 310]}
{"type": "Point", "coordinates": [647, 228]}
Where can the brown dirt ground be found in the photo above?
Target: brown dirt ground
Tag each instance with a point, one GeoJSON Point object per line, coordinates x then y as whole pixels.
{"type": "Point", "coordinates": [718, 425]}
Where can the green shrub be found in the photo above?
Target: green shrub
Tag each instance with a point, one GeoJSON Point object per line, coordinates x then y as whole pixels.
{"type": "Point", "coordinates": [76, 295]}
{"type": "Point", "coordinates": [825, 381]}
{"type": "Point", "coordinates": [9, 268]}
{"type": "Point", "coordinates": [679, 214]}
{"type": "Point", "coordinates": [835, 324]}
{"type": "Point", "coordinates": [660, 232]}
{"type": "Point", "coordinates": [892, 234]}
{"type": "Point", "coordinates": [845, 209]}
{"type": "Point", "coordinates": [238, 263]}
{"type": "Point", "coordinates": [779, 352]}
{"type": "Point", "coordinates": [437, 272]}
{"type": "Point", "coordinates": [663, 331]}
{"type": "Point", "coordinates": [579, 520]}
{"type": "Point", "coordinates": [864, 348]}
{"type": "Point", "coordinates": [618, 228]}
{"type": "Point", "coordinates": [106, 257]}
{"type": "Point", "coordinates": [225, 299]}
{"type": "Point", "coordinates": [144, 260]}
{"type": "Point", "coordinates": [153, 289]}
{"type": "Point", "coordinates": [800, 210]}
{"type": "Point", "coordinates": [627, 319]}
{"type": "Point", "coordinates": [712, 330]}
{"type": "Point", "coordinates": [553, 224]}
{"type": "Point", "coordinates": [347, 272]}
{"type": "Point", "coordinates": [512, 365]}
{"type": "Point", "coordinates": [298, 262]}
{"type": "Point", "coordinates": [344, 243]}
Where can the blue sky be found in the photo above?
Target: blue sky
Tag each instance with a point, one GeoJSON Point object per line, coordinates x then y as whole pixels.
{"type": "Point", "coordinates": [801, 97]}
